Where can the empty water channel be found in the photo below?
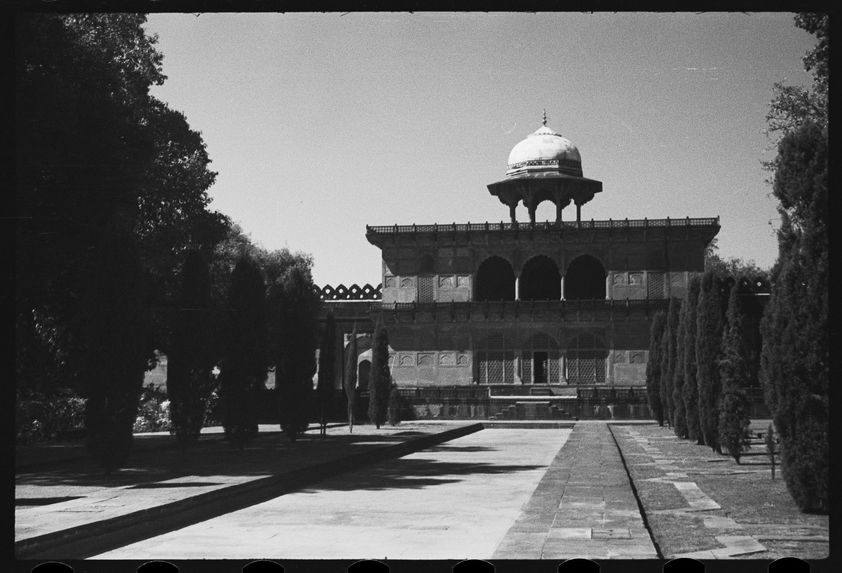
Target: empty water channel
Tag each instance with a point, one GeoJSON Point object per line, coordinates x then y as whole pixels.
{"type": "Point", "coordinates": [455, 500]}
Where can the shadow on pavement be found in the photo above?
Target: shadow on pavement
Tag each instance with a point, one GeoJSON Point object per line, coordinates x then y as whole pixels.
{"type": "Point", "coordinates": [413, 473]}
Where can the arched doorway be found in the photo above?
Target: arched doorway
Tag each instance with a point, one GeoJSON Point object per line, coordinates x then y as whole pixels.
{"type": "Point", "coordinates": [585, 279]}
{"type": "Point", "coordinates": [540, 280]}
{"type": "Point", "coordinates": [363, 374]}
{"type": "Point", "coordinates": [495, 280]}
{"type": "Point", "coordinates": [586, 360]}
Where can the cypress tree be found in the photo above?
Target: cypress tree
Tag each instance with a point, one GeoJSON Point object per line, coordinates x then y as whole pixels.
{"type": "Point", "coordinates": [294, 307]}
{"type": "Point", "coordinates": [653, 367]}
{"type": "Point", "coordinates": [690, 389]}
{"type": "Point", "coordinates": [327, 369]}
{"type": "Point", "coordinates": [191, 359]}
{"type": "Point", "coordinates": [668, 360]}
{"type": "Point", "coordinates": [380, 380]}
{"type": "Point", "coordinates": [795, 355]}
{"type": "Point", "coordinates": [735, 375]}
{"type": "Point", "coordinates": [115, 357]}
{"type": "Point", "coordinates": [679, 417]}
{"type": "Point", "coordinates": [710, 323]}
{"type": "Point", "coordinates": [244, 367]}
{"type": "Point", "coordinates": [349, 381]}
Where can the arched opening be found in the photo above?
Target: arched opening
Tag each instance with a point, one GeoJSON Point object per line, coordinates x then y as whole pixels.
{"type": "Point", "coordinates": [585, 360]}
{"type": "Point", "coordinates": [540, 360]}
{"type": "Point", "coordinates": [495, 280]}
{"type": "Point", "coordinates": [545, 211]}
{"type": "Point", "coordinates": [540, 280]}
{"type": "Point", "coordinates": [363, 374]}
{"type": "Point", "coordinates": [585, 279]}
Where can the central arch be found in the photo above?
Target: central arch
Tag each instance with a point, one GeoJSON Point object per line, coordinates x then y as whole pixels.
{"type": "Point", "coordinates": [585, 279]}
{"type": "Point", "coordinates": [495, 280]}
{"type": "Point", "coordinates": [540, 280]}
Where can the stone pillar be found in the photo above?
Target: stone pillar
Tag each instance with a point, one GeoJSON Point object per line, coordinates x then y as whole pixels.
{"type": "Point", "coordinates": [512, 207]}
{"type": "Point", "coordinates": [578, 213]}
{"type": "Point", "coordinates": [562, 287]}
{"type": "Point", "coordinates": [517, 288]}
{"type": "Point", "coordinates": [608, 286]}
{"type": "Point", "coordinates": [558, 211]}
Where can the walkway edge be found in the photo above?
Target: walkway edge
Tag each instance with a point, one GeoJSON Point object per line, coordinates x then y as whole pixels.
{"type": "Point", "coordinates": [640, 507]}
{"type": "Point", "coordinates": [94, 538]}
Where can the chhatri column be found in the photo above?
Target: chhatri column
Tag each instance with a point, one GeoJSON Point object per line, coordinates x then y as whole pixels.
{"type": "Point", "coordinates": [512, 207]}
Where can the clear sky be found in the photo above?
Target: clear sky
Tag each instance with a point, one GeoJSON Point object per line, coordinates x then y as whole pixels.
{"type": "Point", "coordinates": [319, 124]}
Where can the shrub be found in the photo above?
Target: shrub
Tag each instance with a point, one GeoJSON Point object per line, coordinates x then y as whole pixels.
{"type": "Point", "coordinates": [42, 416]}
{"type": "Point", "coordinates": [153, 413]}
{"type": "Point", "coordinates": [395, 405]}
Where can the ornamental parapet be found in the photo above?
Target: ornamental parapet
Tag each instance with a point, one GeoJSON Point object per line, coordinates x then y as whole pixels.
{"type": "Point", "coordinates": [597, 310]}
{"type": "Point", "coordinates": [353, 292]}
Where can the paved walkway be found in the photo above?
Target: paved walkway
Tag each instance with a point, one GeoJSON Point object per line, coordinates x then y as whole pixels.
{"type": "Point", "coordinates": [511, 493]}
{"type": "Point", "coordinates": [56, 492]}
{"type": "Point", "coordinates": [452, 501]}
{"type": "Point", "coordinates": [583, 507]}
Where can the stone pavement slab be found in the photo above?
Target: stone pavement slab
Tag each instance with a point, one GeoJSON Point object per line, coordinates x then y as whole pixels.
{"type": "Point", "coordinates": [587, 493]}
{"type": "Point", "coordinates": [452, 501]}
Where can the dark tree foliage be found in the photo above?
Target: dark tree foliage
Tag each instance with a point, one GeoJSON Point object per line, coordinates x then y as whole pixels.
{"type": "Point", "coordinates": [735, 373]}
{"type": "Point", "coordinates": [710, 322]}
{"type": "Point", "coordinates": [653, 366]}
{"type": "Point", "coordinates": [114, 359]}
{"type": "Point", "coordinates": [795, 358]}
{"type": "Point", "coordinates": [327, 368]}
{"type": "Point", "coordinates": [380, 380]}
{"type": "Point", "coordinates": [90, 141]}
{"type": "Point", "coordinates": [294, 307]}
{"type": "Point", "coordinates": [668, 353]}
{"type": "Point", "coordinates": [192, 355]}
{"type": "Point", "coordinates": [687, 334]}
{"type": "Point", "coordinates": [679, 416]}
{"type": "Point", "coordinates": [349, 381]}
{"type": "Point", "coordinates": [80, 154]}
{"type": "Point", "coordinates": [244, 366]}
{"type": "Point", "coordinates": [795, 367]}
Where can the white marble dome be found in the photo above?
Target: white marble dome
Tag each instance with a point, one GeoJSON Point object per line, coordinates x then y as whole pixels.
{"type": "Point", "coordinates": [545, 151]}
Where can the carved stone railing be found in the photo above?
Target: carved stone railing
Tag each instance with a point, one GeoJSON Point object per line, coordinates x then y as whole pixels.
{"type": "Point", "coordinates": [544, 310]}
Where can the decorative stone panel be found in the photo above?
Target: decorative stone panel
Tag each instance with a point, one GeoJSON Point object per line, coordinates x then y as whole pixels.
{"type": "Point", "coordinates": [406, 360]}
{"type": "Point", "coordinates": [619, 279]}
{"type": "Point", "coordinates": [619, 357]}
{"type": "Point", "coordinates": [463, 280]}
{"type": "Point", "coordinates": [635, 279]}
{"type": "Point", "coordinates": [426, 359]}
{"type": "Point", "coordinates": [389, 281]}
{"type": "Point", "coordinates": [447, 359]}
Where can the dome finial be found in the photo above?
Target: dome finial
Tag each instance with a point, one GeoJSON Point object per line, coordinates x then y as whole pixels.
{"type": "Point", "coordinates": [545, 116]}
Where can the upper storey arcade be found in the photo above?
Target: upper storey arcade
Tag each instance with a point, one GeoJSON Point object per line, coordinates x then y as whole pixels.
{"type": "Point", "coordinates": [635, 259]}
